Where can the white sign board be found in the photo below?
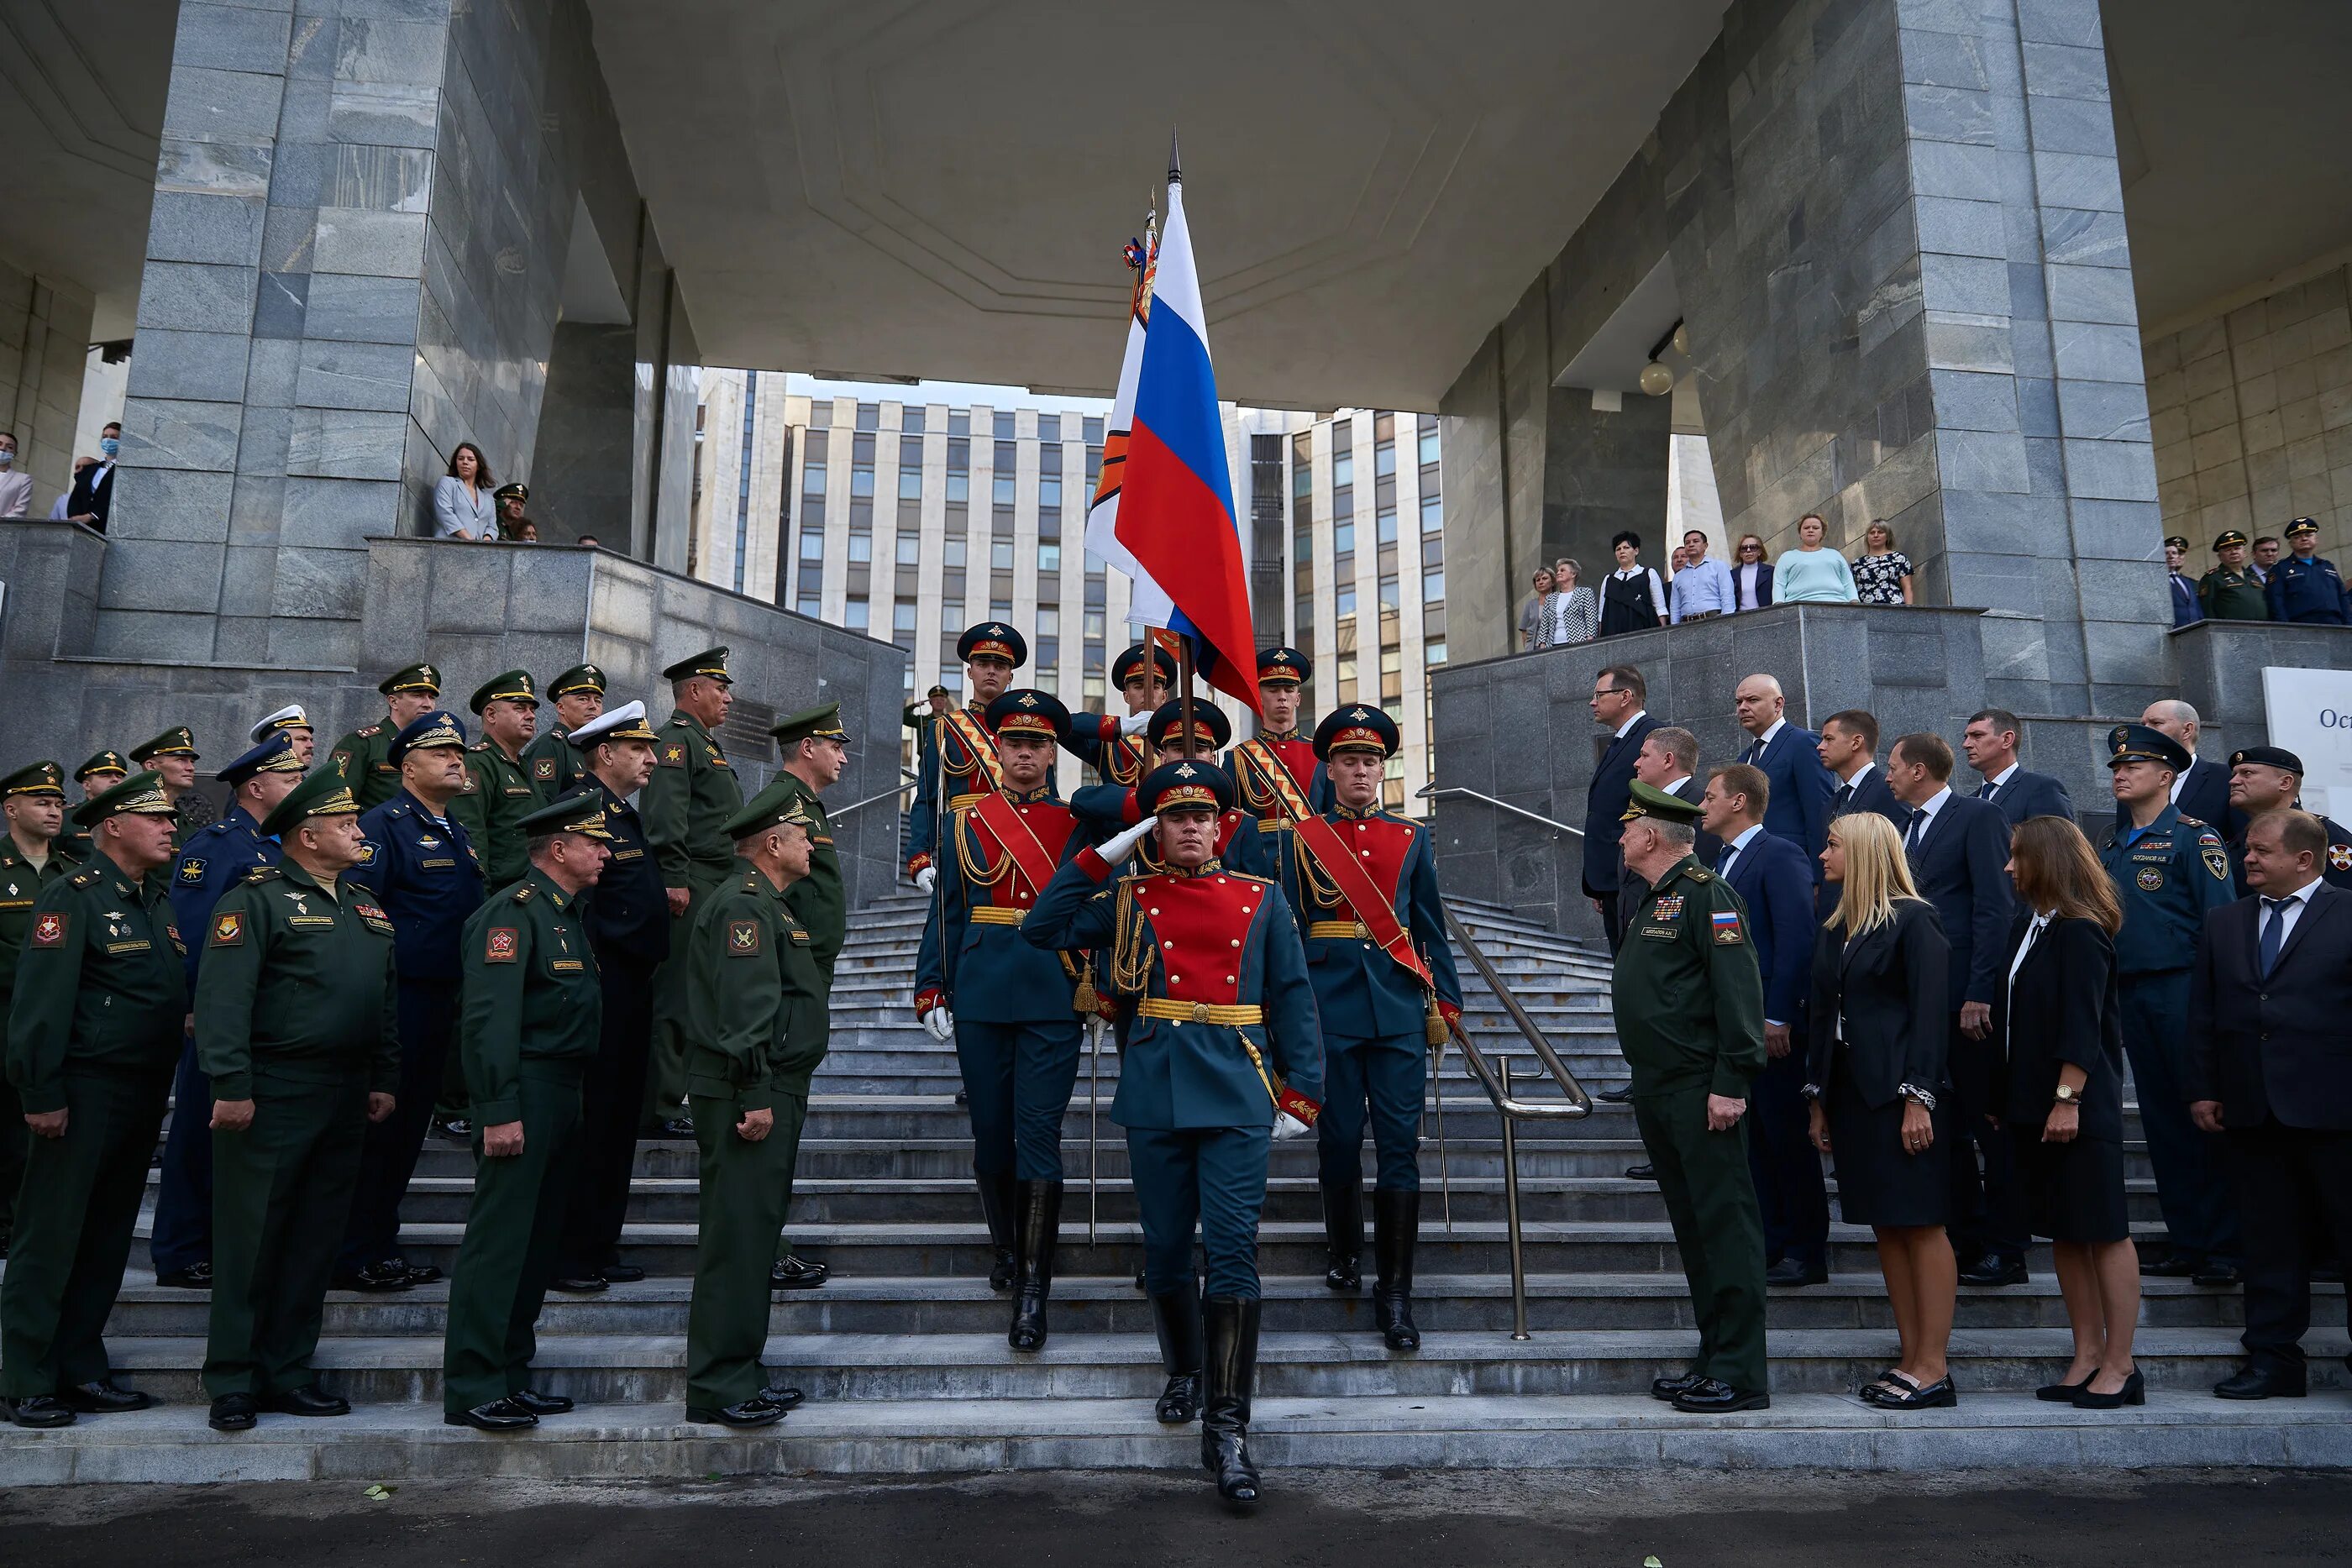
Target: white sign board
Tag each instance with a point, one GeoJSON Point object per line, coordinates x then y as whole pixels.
{"type": "Point", "coordinates": [2311, 715]}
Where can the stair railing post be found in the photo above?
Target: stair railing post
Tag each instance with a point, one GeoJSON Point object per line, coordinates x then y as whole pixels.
{"type": "Point", "coordinates": [1511, 1206]}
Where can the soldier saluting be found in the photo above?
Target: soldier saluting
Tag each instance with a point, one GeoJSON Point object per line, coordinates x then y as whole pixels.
{"type": "Point", "coordinates": [1104, 809]}
{"type": "Point", "coordinates": [686, 805]}
{"type": "Point", "coordinates": [1114, 747]}
{"type": "Point", "coordinates": [956, 753]}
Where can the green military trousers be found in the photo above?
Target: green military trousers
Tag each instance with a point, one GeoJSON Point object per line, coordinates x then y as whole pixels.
{"type": "Point", "coordinates": [666, 1084]}
{"type": "Point", "coordinates": [746, 1188]}
{"type": "Point", "coordinates": [75, 1213]}
{"type": "Point", "coordinates": [1711, 1200]}
{"type": "Point", "coordinates": [281, 1198]}
{"type": "Point", "coordinates": [512, 1233]}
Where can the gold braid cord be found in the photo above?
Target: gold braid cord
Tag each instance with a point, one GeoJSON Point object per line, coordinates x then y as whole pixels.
{"type": "Point", "coordinates": [1318, 886]}
{"type": "Point", "coordinates": [975, 863]}
{"type": "Point", "coordinates": [1132, 952]}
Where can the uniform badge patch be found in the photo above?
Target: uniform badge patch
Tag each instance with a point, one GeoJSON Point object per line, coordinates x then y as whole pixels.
{"type": "Point", "coordinates": [228, 930]}
{"type": "Point", "coordinates": [742, 939]}
{"type": "Point", "coordinates": [192, 869]}
{"type": "Point", "coordinates": [673, 755]}
{"type": "Point", "coordinates": [543, 768]}
{"type": "Point", "coordinates": [1727, 928]}
{"type": "Point", "coordinates": [2339, 857]}
{"type": "Point", "coordinates": [50, 930]}
{"type": "Point", "coordinates": [2149, 879]}
{"type": "Point", "coordinates": [498, 947]}
{"type": "Point", "coordinates": [367, 854]}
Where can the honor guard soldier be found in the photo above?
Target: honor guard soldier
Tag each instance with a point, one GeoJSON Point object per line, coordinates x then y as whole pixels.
{"type": "Point", "coordinates": [1362, 883]}
{"type": "Point", "coordinates": [214, 858]}
{"type": "Point", "coordinates": [1224, 1054]}
{"type": "Point", "coordinates": [2168, 871]}
{"type": "Point", "coordinates": [297, 1036]}
{"type": "Point", "coordinates": [2304, 586]}
{"type": "Point", "coordinates": [34, 799]}
{"type": "Point", "coordinates": [500, 792]}
{"type": "Point", "coordinates": [2269, 779]}
{"type": "Point", "coordinates": [1689, 1003]}
{"type": "Point", "coordinates": [364, 755]}
{"type": "Point", "coordinates": [420, 868]}
{"type": "Point", "coordinates": [528, 1027]}
{"type": "Point", "coordinates": [2231, 592]}
{"type": "Point", "coordinates": [557, 767]}
{"type": "Point", "coordinates": [293, 722]}
{"type": "Point", "coordinates": [686, 805]}
{"type": "Point", "coordinates": [758, 1032]}
{"type": "Point", "coordinates": [94, 777]}
{"type": "Point", "coordinates": [1104, 809]}
{"type": "Point", "coordinates": [93, 1033]}
{"type": "Point", "coordinates": [1274, 771]}
{"type": "Point", "coordinates": [1011, 1011]}
{"type": "Point", "coordinates": [956, 756]}
{"type": "Point", "coordinates": [628, 927]}
{"type": "Point", "coordinates": [173, 757]}
{"type": "Point", "coordinates": [1115, 747]}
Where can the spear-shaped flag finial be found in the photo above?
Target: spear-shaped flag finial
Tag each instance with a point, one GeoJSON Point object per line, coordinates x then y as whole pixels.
{"type": "Point", "coordinates": [1175, 164]}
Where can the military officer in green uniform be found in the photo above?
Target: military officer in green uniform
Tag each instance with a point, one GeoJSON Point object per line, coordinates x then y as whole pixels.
{"type": "Point", "coordinates": [686, 805]}
{"type": "Point", "coordinates": [93, 1036]}
{"type": "Point", "coordinates": [556, 769]}
{"type": "Point", "coordinates": [2231, 592]}
{"type": "Point", "coordinates": [173, 757]}
{"type": "Point", "coordinates": [499, 793]}
{"type": "Point", "coordinates": [102, 772]}
{"type": "Point", "coordinates": [528, 1025]}
{"type": "Point", "coordinates": [756, 1032]}
{"type": "Point", "coordinates": [815, 750]}
{"type": "Point", "coordinates": [1689, 1004]}
{"type": "Point", "coordinates": [34, 798]}
{"type": "Point", "coordinates": [364, 755]}
{"type": "Point", "coordinates": [296, 1032]}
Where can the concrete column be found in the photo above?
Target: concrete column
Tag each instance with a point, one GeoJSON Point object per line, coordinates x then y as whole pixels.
{"type": "Point", "coordinates": [580, 477]}
{"type": "Point", "coordinates": [1604, 471]}
{"type": "Point", "coordinates": [44, 352]}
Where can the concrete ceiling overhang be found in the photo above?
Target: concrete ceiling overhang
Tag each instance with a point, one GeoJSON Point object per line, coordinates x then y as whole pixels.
{"type": "Point", "coordinates": [941, 187]}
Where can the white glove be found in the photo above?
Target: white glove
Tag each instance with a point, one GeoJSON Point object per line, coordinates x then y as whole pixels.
{"type": "Point", "coordinates": [1287, 1126]}
{"type": "Point", "coordinates": [925, 877]}
{"type": "Point", "coordinates": [939, 1024]}
{"type": "Point", "coordinates": [1120, 847]}
{"type": "Point", "coordinates": [1134, 724]}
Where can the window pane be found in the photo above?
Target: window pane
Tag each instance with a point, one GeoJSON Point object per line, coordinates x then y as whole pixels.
{"type": "Point", "coordinates": [852, 614]}
{"type": "Point", "coordinates": [902, 615]}
{"type": "Point", "coordinates": [861, 481]}
{"type": "Point", "coordinates": [812, 478]}
{"type": "Point", "coordinates": [812, 544]}
{"type": "Point", "coordinates": [910, 484]}
{"type": "Point", "coordinates": [1433, 653]}
{"type": "Point", "coordinates": [1049, 490]}
{"type": "Point", "coordinates": [869, 415]}
{"type": "Point", "coordinates": [951, 616]}
{"type": "Point", "coordinates": [1428, 446]}
{"type": "Point", "coordinates": [1000, 609]}
{"type": "Point", "coordinates": [1094, 625]}
{"type": "Point", "coordinates": [1344, 601]}
{"type": "Point", "coordinates": [821, 413]}
{"type": "Point", "coordinates": [959, 487]}
{"type": "Point", "coordinates": [1049, 558]}
{"type": "Point", "coordinates": [1000, 555]}
{"type": "Point", "coordinates": [1432, 514]}
{"type": "Point", "coordinates": [1388, 527]}
{"type": "Point", "coordinates": [861, 547]}
{"type": "Point", "coordinates": [908, 544]}
{"type": "Point", "coordinates": [1302, 480]}
{"type": "Point", "coordinates": [1049, 621]}
{"type": "Point", "coordinates": [1343, 538]}
{"type": "Point", "coordinates": [1004, 425]}
{"type": "Point", "coordinates": [1432, 589]}
{"type": "Point", "coordinates": [959, 422]}
{"type": "Point", "coordinates": [1343, 469]}
{"type": "Point", "coordinates": [1000, 489]}
{"type": "Point", "coordinates": [1384, 458]}
{"type": "Point", "coordinates": [1093, 431]}
{"type": "Point", "coordinates": [808, 604]}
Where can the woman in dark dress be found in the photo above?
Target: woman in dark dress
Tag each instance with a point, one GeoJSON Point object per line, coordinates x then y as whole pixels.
{"type": "Point", "coordinates": [2061, 1022]}
{"type": "Point", "coordinates": [1876, 1075]}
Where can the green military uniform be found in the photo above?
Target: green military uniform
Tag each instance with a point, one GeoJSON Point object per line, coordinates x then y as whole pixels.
{"type": "Point", "coordinates": [820, 901]}
{"type": "Point", "coordinates": [1689, 1005]}
{"type": "Point", "coordinates": [94, 1030]}
{"type": "Point", "coordinates": [527, 1025]}
{"type": "Point", "coordinates": [756, 1033]}
{"type": "Point", "coordinates": [295, 1012]}
{"type": "Point", "coordinates": [364, 755]}
{"type": "Point", "coordinates": [555, 766]}
{"type": "Point", "coordinates": [177, 741]}
{"type": "Point", "coordinates": [686, 805]}
{"type": "Point", "coordinates": [2231, 593]}
{"type": "Point", "coordinates": [499, 793]}
{"type": "Point", "coordinates": [21, 883]}
{"type": "Point", "coordinates": [102, 772]}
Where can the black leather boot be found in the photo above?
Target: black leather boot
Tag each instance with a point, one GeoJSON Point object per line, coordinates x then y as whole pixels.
{"type": "Point", "coordinates": [996, 1208]}
{"type": "Point", "coordinates": [1343, 1234]}
{"type": "Point", "coordinates": [1177, 1317]}
{"type": "Point", "coordinates": [1229, 1330]}
{"type": "Point", "coordinates": [1396, 1226]}
{"type": "Point", "coordinates": [1037, 1210]}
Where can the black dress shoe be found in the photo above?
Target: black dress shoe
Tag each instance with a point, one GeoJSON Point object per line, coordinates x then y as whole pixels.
{"type": "Point", "coordinates": [418, 1273]}
{"type": "Point", "coordinates": [234, 1413]}
{"type": "Point", "coordinates": [194, 1276]}
{"type": "Point", "coordinates": [308, 1400]}
{"type": "Point", "coordinates": [2257, 1381]}
{"type": "Point", "coordinates": [580, 1284]}
{"type": "Point", "coordinates": [2173, 1264]}
{"type": "Point", "coordinates": [2217, 1274]}
{"type": "Point", "coordinates": [1670, 1388]}
{"type": "Point", "coordinates": [753, 1412]}
{"type": "Point", "coordinates": [795, 1273]}
{"type": "Point", "coordinates": [40, 1410]}
{"type": "Point", "coordinates": [1942, 1393]}
{"type": "Point", "coordinates": [1617, 1096]}
{"type": "Point", "coordinates": [1993, 1271]}
{"type": "Point", "coordinates": [1788, 1271]}
{"type": "Point", "coordinates": [677, 1127]}
{"type": "Point", "coordinates": [376, 1279]}
{"type": "Point", "coordinates": [455, 1129]}
{"type": "Point", "coordinates": [497, 1416]}
{"type": "Point", "coordinates": [1640, 1173]}
{"type": "Point", "coordinates": [621, 1274]}
{"type": "Point", "coordinates": [780, 1397]}
{"type": "Point", "coordinates": [2133, 1392]}
{"type": "Point", "coordinates": [539, 1404]}
{"type": "Point", "coordinates": [101, 1397]}
{"type": "Point", "coordinates": [1713, 1397]}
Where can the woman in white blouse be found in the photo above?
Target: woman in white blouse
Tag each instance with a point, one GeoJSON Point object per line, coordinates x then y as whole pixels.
{"type": "Point", "coordinates": [462, 507]}
{"type": "Point", "coordinates": [15, 487]}
{"type": "Point", "coordinates": [1576, 616]}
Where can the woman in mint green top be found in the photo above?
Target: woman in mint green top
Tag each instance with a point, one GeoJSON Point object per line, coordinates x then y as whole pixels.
{"type": "Point", "coordinates": [1810, 574]}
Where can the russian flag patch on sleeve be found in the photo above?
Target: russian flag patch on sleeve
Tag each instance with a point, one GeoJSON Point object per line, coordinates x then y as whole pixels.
{"type": "Point", "coordinates": [1727, 926]}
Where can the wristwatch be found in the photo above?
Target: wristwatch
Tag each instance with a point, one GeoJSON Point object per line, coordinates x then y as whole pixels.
{"type": "Point", "coordinates": [2068, 1096]}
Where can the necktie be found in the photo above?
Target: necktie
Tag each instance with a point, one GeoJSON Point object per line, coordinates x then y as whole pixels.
{"type": "Point", "coordinates": [1987, 792]}
{"type": "Point", "coordinates": [1911, 833]}
{"type": "Point", "coordinates": [2274, 932]}
{"type": "Point", "coordinates": [1755, 753]}
{"type": "Point", "coordinates": [1844, 796]}
{"type": "Point", "coordinates": [1723, 862]}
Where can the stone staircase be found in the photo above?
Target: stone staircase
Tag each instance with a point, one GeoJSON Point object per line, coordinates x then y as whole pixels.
{"type": "Point", "coordinates": [903, 1354]}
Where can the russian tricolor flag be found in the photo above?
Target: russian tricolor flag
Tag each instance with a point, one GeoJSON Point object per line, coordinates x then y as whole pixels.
{"type": "Point", "coordinates": [1176, 502]}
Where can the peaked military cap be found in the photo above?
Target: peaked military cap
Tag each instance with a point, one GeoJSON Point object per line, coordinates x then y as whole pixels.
{"type": "Point", "coordinates": [580, 811]}
{"type": "Point", "coordinates": [177, 741]}
{"type": "Point", "coordinates": [323, 794]}
{"type": "Point", "coordinates": [1356, 727]}
{"type": "Point", "coordinates": [426, 731]}
{"type": "Point", "coordinates": [514, 488]}
{"type": "Point", "coordinates": [275, 754]}
{"type": "Point", "coordinates": [2174, 542]}
{"type": "Point", "coordinates": [712, 661]}
{"type": "Point", "coordinates": [1126, 665]}
{"type": "Point", "coordinates": [1194, 784]}
{"type": "Point", "coordinates": [993, 639]}
{"type": "Point", "coordinates": [780, 804]}
{"type": "Point", "coordinates": [824, 723]}
{"type": "Point", "coordinates": [578, 678]}
{"type": "Point", "coordinates": [2301, 525]}
{"type": "Point", "coordinates": [626, 722]}
{"type": "Point", "coordinates": [412, 678]}
{"type": "Point", "coordinates": [1649, 800]}
{"type": "Point", "coordinates": [2276, 757]}
{"type": "Point", "coordinates": [1279, 664]}
{"type": "Point", "coordinates": [515, 686]}
{"type": "Point", "coordinates": [1210, 725]}
{"type": "Point", "coordinates": [36, 778]}
{"type": "Point", "coordinates": [2138, 743]}
{"type": "Point", "coordinates": [290, 716]}
{"type": "Point", "coordinates": [1027, 712]}
{"type": "Point", "coordinates": [2224, 539]}
{"type": "Point", "coordinates": [102, 762]}
{"type": "Point", "coordinates": [141, 795]}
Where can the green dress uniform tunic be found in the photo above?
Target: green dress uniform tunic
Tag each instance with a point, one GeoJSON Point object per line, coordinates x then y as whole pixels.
{"type": "Point", "coordinates": [364, 759]}
{"type": "Point", "coordinates": [2233, 595]}
{"type": "Point", "coordinates": [20, 884]}
{"type": "Point", "coordinates": [686, 806]}
{"type": "Point", "coordinates": [498, 796]}
{"type": "Point", "coordinates": [757, 1032]}
{"type": "Point", "coordinates": [528, 1026]}
{"type": "Point", "coordinates": [555, 768]}
{"type": "Point", "coordinates": [1689, 1004]}
{"type": "Point", "coordinates": [294, 1012]}
{"type": "Point", "coordinates": [819, 900]}
{"type": "Point", "coordinates": [94, 1030]}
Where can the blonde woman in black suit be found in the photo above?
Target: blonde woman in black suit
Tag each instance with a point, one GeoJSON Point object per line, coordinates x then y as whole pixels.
{"type": "Point", "coordinates": [1880, 1021]}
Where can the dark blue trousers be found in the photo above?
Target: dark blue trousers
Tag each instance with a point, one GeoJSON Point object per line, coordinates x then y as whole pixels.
{"type": "Point", "coordinates": [1018, 1077]}
{"type": "Point", "coordinates": [183, 1198]}
{"type": "Point", "coordinates": [1786, 1168]}
{"type": "Point", "coordinates": [1389, 1077]}
{"type": "Point", "coordinates": [1211, 1176]}
{"type": "Point", "coordinates": [2192, 1180]}
{"type": "Point", "coordinates": [428, 1022]}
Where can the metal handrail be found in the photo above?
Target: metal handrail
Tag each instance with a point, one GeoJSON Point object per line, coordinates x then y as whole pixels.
{"type": "Point", "coordinates": [1431, 792]}
{"type": "Point", "coordinates": [899, 788]}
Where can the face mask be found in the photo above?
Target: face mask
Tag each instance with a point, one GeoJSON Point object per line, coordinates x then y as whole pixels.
{"type": "Point", "coordinates": [109, 446]}
{"type": "Point", "coordinates": [7, 459]}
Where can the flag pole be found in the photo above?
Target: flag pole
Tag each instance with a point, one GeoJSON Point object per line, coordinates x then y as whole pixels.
{"type": "Point", "coordinates": [1185, 693]}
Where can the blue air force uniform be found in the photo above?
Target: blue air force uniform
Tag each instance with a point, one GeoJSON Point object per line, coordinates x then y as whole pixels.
{"type": "Point", "coordinates": [955, 754]}
{"type": "Point", "coordinates": [2306, 589]}
{"type": "Point", "coordinates": [2167, 875]}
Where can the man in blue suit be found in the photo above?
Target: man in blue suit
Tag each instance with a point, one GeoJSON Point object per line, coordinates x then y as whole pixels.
{"type": "Point", "coordinates": [1959, 849]}
{"type": "Point", "coordinates": [1619, 695]}
{"type": "Point", "coordinates": [1990, 742]}
{"type": "Point", "coordinates": [1849, 749]}
{"type": "Point", "coordinates": [1790, 755]}
{"type": "Point", "coordinates": [1769, 875]}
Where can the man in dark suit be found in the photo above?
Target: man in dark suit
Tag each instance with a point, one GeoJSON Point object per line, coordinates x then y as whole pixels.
{"type": "Point", "coordinates": [1770, 877]}
{"type": "Point", "coordinates": [1790, 755]}
{"type": "Point", "coordinates": [92, 496]}
{"type": "Point", "coordinates": [1959, 849]}
{"type": "Point", "coordinates": [1849, 749]}
{"type": "Point", "coordinates": [1668, 761]}
{"type": "Point", "coordinates": [2270, 1022]}
{"type": "Point", "coordinates": [1991, 743]}
{"type": "Point", "coordinates": [2203, 792]}
{"type": "Point", "coordinates": [1619, 693]}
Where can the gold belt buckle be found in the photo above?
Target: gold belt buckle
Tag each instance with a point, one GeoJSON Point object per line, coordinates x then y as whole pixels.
{"type": "Point", "coordinates": [1200, 1012]}
{"type": "Point", "coordinates": [1363, 933]}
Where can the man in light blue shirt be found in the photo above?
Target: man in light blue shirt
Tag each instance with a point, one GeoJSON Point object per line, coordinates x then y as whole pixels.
{"type": "Point", "coordinates": [1703, 587]}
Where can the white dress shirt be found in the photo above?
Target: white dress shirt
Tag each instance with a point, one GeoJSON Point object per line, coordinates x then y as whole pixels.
{"type": "Point", "coordinates": [1927, 818]}
{"type": "Point", "coordinates": [2300, 901]}
{"type": "Point", "coordinates": [1756, 748]}
{"type": "Point", "coordinates": [1631, 723]}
